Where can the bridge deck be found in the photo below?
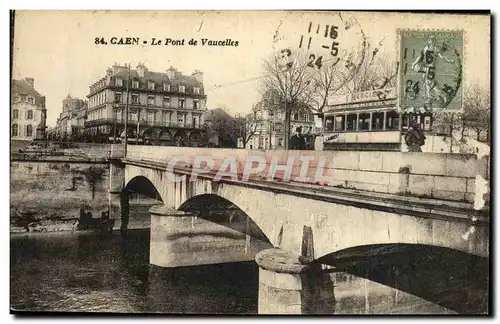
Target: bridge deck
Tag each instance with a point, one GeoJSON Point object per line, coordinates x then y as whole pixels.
{"type": "Point", "coordinates": [400, 204]}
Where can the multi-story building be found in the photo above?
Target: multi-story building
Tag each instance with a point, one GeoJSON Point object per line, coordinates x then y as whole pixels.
{"type": "Point", "coordinates": [164, 108]}
{"type": "Point", "coordinates": [28, 112]}
{"type": "Point", "coordinates": [270, 128]}
{"type": "Point", "coordinates": [71, 119]}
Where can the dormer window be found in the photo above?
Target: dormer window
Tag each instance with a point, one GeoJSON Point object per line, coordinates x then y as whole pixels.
{"type": "Point", "coordinates": [135, 84]}
{"type": "Point", "coordinates": [196, 90]}
{"type": "Point", "coordinates": [151, 85]}
{"type": "Point", "coordinates": [166, 87]}
{"type": "Point", "coordinates": [119, 82]}
{"type": "Point", "coordinates": [182, 89]}
{"type": "Point", "coordinates": [16, 98]}
{"type": "Point", "coordinates": [31, 100]}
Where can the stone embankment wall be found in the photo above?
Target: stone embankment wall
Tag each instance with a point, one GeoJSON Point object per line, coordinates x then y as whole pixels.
{"type": "Point", "coordinates": [56, 190]}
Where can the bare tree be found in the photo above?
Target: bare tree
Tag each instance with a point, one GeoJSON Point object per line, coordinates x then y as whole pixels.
{"type": "Point", "coordinates": [376, 71]}
{"type": "Point", "coordinates": [288, 84]}
{"type": "Point", "coordinates": [477, 110]}
{"type": "Point", "coordinates": [446, 123]}
{"type": "Point", "coordinates": [221, 126]}
{"type": "Point", "coordinates": [246, 127]}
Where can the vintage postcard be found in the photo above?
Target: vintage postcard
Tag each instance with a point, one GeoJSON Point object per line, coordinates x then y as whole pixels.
{"type": "Point", "coordinates": [250, 162]}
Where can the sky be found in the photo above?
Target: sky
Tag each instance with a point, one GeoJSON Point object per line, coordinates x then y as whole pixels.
{"type": "Point", "coordinates": [58, 50]}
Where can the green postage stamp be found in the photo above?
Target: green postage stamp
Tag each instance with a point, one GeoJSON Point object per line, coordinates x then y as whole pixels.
{"type": "Point", "coordinates": [431, 69]}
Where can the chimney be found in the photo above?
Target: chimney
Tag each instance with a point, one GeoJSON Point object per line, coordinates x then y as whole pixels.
{"type": "Point", "coordinates": [141, 70]}
{"type": "Point", "coordinates": [198, 75]}
{"type": "Point", "coordinates": [31, 81]}
{"type": "Point", "coordinates": [171, 73]}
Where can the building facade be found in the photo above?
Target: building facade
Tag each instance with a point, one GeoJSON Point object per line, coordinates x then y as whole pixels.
{"type": "Point", "coordinates": [164, 108]}
{"type": "Point", "coordinates": [270, 126]}
{"type": "Point", "coordinates": [28, 111]}
{"type": "Point", "coordinates": [71, 120]}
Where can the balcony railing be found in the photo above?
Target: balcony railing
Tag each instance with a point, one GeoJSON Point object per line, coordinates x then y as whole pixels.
{"type": "Point", "coordinates": [131, 122]}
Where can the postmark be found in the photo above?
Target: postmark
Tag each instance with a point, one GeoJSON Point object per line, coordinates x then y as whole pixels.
{"type": "Point", "coordinates": [431, 73]}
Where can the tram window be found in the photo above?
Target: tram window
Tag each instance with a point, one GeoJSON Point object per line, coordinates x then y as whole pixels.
{"type": "Point", "coordinates": [406, 121]}
{"type": "Point", "coordinates": [364, 122]}
{"type": "Point", "coordinates": [329, 123]}
{"type": "Point", "coordinates": [339, 123]}
{"type": "Point", "coordinates": [427, 123]}
{"type": "Point", "coordinates": [351, 121]}
{"type": "Point", "coordinates": [377, 121]}
{"type": "Point", "coordinates": [392, 121]}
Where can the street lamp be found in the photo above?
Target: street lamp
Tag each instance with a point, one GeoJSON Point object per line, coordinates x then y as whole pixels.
{"type": "Point", "coordinates": [126, 110]}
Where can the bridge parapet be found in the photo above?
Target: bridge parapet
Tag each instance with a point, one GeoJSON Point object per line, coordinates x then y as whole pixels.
{"type": "Point", "coordinates": [427, 175]}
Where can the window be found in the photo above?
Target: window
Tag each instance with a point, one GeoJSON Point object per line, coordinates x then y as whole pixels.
{"type": "Point", "coordinates": [196, 90]}
{"type": "Point", "coordinates": [392, 120]}
{"type": "Point", "coordinates": [118, 97]}
{"type": "Point", "coordinates": [15, 114]}
{"type": "Point", "coordinates": [166, 101]}
{"type": "Point", "coordinates": [135, 98]}
{"type": "Point", "coordinates": [296, 116]}
{"type": "Point", "coordinates": [151, 100]}
{"type": "Point", "coordinates": [377, 121]}
{"type": "Point", "coordinates": [308, 117]}
{"type": "Point", "coordinates": [135, 84]}
{"type": "Point", "coordinates": [182, 88]}
{"type": "Point", "coordinates": [166, 87]}
{"type": "Point", "coordinates": [15, 130]}
{"type": "Point", "coordinates": [196, 104]}
{"type": "Point", "coordinates": [166, 117]}
{"type": "Point", "coordinates": [364, 121]}
{"type": "Point", "coordinates": [119, 82]}
{"type": "Point", "coordinates": [339, 123]}
{"type": "Point", "coordinates": [29, 131]}
{"type": "Point", "coordinates": [31, 100]}
{"type": "Point", "coordinates": [151, 85]}
{"type": "Point", "coordinates": [351, 122]}
{"type": "Point", "coordinates": [151, 116]}
{"type": "Point", "coordinates": [180, 119]}
{"type": "Point", "coordinates": [280, 141]}
{"type": "Point", "coordinates": [181, 103]}
{"type": "Point", "coordinates": [29, 114]}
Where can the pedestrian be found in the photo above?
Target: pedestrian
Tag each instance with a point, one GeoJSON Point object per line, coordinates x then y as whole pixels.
{"type": "Point", "coordinates": [415, 137]}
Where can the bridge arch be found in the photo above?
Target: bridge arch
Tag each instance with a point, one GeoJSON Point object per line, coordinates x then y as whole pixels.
{"type": "Point", "coordinates": [144, 186]}
{"type": "Point", "coordinates": [222, 211]}
{"type": "Point", "coordinates": [447, 277]}
{"type": "Point", "coordinates": [147, 176]}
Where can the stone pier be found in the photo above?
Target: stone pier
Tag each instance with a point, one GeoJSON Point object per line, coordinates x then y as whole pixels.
{"type": "Point", "coordinates": [116, 184]}
{"type": "Point", "coordinates": [290, 285]}
{"type": "Point", "coordinates": [180, 238]}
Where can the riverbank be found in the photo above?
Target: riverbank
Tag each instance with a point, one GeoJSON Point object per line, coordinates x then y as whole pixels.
{"type": "Point", "coordinates": [26, 221]}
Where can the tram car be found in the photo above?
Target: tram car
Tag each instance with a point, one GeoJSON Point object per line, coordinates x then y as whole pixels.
{"type": "Point", "coordinates": [368, 120]}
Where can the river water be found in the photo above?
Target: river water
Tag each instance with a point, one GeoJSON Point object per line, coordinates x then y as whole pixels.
{"type": "Point", "coordinates": [70, 272]}
{"type": "Point", "coordinates": [82, 272]}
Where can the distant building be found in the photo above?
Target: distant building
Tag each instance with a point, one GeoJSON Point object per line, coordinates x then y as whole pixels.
{"type": "Point", "coordinates": [165, 108]}
{"type": "Point", "coordinates": [28, 111]}
{"type": "Point", "coordinates": [72, 118]}
{"type": "Point", "coordinates": [270, 129]}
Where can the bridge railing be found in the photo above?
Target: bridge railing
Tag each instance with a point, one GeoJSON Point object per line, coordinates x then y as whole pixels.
{"type": "Point", "coordinates": [428, 175]}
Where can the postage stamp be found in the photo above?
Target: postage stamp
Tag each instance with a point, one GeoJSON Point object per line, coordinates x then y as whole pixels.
{"type": "Point", "coordinates": [431, 70]}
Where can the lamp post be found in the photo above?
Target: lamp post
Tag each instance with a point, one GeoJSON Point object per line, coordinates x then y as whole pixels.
{"type": "Point", "coordinates": [126, 110]}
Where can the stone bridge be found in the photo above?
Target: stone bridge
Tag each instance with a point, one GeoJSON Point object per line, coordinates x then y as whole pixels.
{"type": "Point", "coordinates": [364, 204]}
